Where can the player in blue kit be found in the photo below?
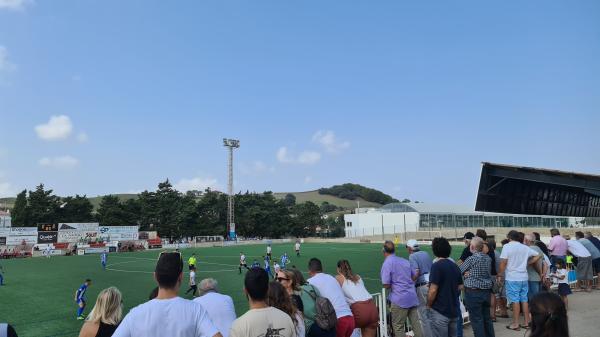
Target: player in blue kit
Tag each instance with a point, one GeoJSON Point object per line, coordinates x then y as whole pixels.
{"type": "Point", "coordinates": [284, 260]}
{"type": "Point", "coordinates": [80, 298]}
{"type": "Point", "coordinates": [268, 266]}
{"type": "Point", "coordinates": [103, 258]}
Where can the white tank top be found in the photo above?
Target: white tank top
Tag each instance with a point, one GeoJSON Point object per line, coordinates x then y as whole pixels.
{"type": "Point", "coordinates": [355, 292]}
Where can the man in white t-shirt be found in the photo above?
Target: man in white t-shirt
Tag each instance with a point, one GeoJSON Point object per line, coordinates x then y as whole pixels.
{"type": "Point", "coordinates": [329, 288]}
{"type": "Point", "coordinates": [168, 314]}
{"type": "Point", "coordinates": [514, 259]}
{"type": "Point", "coordinates": [585, 274]}
{"type": "Point", "coordinates": [219, 307]}
{"type": "Point", "coordinates": [261, 320]}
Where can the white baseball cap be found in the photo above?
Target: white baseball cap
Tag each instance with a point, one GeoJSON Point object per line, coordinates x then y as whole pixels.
{"type": "Point", "coordinates": [412, 243]}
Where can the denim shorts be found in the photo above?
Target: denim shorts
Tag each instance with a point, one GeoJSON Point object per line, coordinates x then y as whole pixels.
{"type": "Point", "coordinates": [516, 291]}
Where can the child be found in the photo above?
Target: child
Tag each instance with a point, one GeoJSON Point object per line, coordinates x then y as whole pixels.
{"type": "Point", "coordinates": [563, 283]}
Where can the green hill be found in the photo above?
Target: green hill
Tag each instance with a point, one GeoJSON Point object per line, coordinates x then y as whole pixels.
{"type": "Point", "coordinates": [317, 198]}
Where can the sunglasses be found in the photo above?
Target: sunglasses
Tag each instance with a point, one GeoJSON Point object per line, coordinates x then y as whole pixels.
{"type": "Point", "coordinates": [279, 279]}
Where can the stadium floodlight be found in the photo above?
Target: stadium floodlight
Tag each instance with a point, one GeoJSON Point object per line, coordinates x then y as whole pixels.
{"type": "Point", "coordinates": [230, 144]}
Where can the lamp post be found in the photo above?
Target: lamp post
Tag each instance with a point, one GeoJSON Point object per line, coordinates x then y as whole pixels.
{"type": "Point", "coordinates": [230, 144]}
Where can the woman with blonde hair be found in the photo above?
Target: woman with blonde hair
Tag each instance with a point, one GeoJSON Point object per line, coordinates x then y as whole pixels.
{"type": "Point", "coordinates": [366, 315]}
{"type": "Point", "coordinates": [105, 316]}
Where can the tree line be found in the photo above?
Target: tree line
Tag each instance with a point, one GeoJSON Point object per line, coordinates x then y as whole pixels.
{"type": "Point", "coordinates": [175, 215]}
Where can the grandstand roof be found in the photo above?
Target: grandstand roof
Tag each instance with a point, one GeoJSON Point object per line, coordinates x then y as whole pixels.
{"type": "Point", "coordinates": [528, 190]}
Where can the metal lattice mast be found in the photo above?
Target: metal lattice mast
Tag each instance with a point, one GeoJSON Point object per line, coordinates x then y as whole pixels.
{"type": "Point", "coordinates": [231, 144]}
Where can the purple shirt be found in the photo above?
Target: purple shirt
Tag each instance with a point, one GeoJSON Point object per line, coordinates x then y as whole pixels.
{"type": "Point", "coordinates": [397, 272]}
{"type": "Point", "coordinates": [558, 246]}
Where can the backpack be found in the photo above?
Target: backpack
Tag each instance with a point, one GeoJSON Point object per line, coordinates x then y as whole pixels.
{"type": "Point", "coordinates": [324, 314]}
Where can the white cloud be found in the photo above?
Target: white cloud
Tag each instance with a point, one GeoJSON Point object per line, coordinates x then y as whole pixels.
{"type": "Point", "coordinates": [307, 179]}
{"type": "Point", "coordinates": [5, 64]}
{"type": "Point", "coordinates": [58, 127]}
{"type": "Point", "coordinates": [82, 137]}
{"type": "Point", "coordinates": [309, 157]}
{"type": "Point", "coordinates": [329, 142]}
{"type": "Point", "coordinates": [6, 190]}
{"type": "Point", "coordinates": [197, 183]}
{"type": "Point", "coordinates": [61, 162]}
{"type": "Point", "coordinates": [14, 5]}
{"type": "Point", "coordinates": [283, 156]}
{"type": "Point", "coordinates": [305, 157]}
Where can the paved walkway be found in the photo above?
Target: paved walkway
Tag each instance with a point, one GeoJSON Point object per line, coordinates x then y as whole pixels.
{"type": "Point", "coordinates": [584, 318]}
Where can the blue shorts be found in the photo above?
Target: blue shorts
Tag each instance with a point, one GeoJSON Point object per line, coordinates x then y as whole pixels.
{"type": "Point", "coordinates": [80, 300]}
{"type": "Point", "coordinates": [516, 291]}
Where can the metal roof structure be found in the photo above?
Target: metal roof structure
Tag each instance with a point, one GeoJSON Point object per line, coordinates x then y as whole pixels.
{"type": "Point", "coordinates": [535, 191]}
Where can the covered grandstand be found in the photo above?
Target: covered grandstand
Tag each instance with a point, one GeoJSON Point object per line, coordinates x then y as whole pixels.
{"type": "Point", "coordinates": [399, 218]}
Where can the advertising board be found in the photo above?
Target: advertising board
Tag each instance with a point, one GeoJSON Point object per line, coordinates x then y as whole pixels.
{"type": "Point", "coordinates": [47, 237]}
{"type": "Point", "coordinates": [20, 239]}
{"type": "Point", "coordinates": [28, 231]}
{"type": "Point", "coordinates": [85, 226]}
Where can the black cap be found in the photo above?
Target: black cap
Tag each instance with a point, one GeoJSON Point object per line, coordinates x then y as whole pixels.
{"type": "Point", "coordinates": [469, 236]}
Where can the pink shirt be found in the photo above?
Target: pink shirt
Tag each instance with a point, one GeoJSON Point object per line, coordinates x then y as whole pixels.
{"type": "Point", "coordinates": [558, 246]}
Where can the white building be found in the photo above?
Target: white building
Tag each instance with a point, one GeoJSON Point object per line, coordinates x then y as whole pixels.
{"type": "Point", "coordinates": [5, 219]}
{"type": "Point", "coordinates": [399, 218]}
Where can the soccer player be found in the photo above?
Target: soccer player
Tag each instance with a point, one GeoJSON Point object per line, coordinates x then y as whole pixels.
{"type": "Point", "coordinates": [192, 261]}
{"type": "Point", "coordinates": [255, 264]}
{"type": "Point", "coordinates": [103, 258]}
{"type": "Point", "coordinates": [268, 266]}
{"type": "Point", "coordinates": [1, 275]}
{"type": "Point", "coordinates": [47, 251]}
{"type": "Point", "coordinates": [269, 251]}
{"type": "Point", "coordinates": [193, 286]}
{"type": "Point", "coordinates": [80, 298]}
{"type": "Point", "coordinates": [297, 248]}
{"type": "Point", "coordinates": [243, 262]}
{"type": "Point", "coordinates": [284, 260]}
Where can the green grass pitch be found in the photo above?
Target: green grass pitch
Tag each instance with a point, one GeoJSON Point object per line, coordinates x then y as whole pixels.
{"type": "Point", "coordinates": [38, 296]}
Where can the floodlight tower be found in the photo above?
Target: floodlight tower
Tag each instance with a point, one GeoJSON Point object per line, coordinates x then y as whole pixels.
{"type": "Point", "coordinates": [230, 144]}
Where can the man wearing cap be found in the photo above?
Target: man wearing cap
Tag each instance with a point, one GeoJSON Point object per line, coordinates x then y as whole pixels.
{"type": "Point", "coordinates": [168, 314]}
{"type": "Point", "coordinates": [420, 263]}
{"type": "Point", "coordinates": [467, 251]}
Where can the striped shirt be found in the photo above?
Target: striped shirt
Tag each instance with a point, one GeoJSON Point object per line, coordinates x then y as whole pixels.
{"type": "Point", "coordinates": [479, 266]}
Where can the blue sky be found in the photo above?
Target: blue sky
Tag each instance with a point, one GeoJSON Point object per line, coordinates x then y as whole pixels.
{"type": "Point", "coordinates": [408, 97]}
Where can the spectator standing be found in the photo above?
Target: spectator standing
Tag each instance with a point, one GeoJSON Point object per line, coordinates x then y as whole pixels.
{"type": "Point", "coordinates": [548, 316]}
{"type": "Point", "coordinates": [562, 278]}
{"type": "Point", "coordinates": [445, 283]}
{"type": "Point", "coordinates": [584, 270]}
{"type": "Point", "coordinates": [278, 297]}
{"type": "Point", "coordinates": [596, 243]}
{"type": "Point", "coordinates": [7, 330]}
{"type": "Point", "coordinates": [308, 294]}
{"type": "Point", "coordinates": [167, 314]}
{"type": "Point", "coordinates": [557, 247]}
{"type": "Point", "coordinates": [261, 319]}
{"type": "Point", "coordinates": [538, 242]}
{"type": "Point", "coordinates": [494, 271]}
{"type": "Point", "coordinates": [329, 288]}
{"type": "Point", "coordinates": [366, 315]}
{"type": "Point", "coordinates": [219, 307]}
{"type": "Point", "coordinates": [478, 289]}
{"type": "Point", "coordinates": [467, 250]}
{"type": "Point", "coordinates": [593, 251]}
{"type": "Point", "coordinates": [396, 275]}
{"type": "Point", "coordinates": [514, 259]}
{"type": "Point", "coordinates": [420, 263]}
{"type": "Point", "coordinates": [535, 271]}
{"type": "Point", "coordinates": [287, 279]}
{"type": "Point", "coordinates": [105, 316]}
